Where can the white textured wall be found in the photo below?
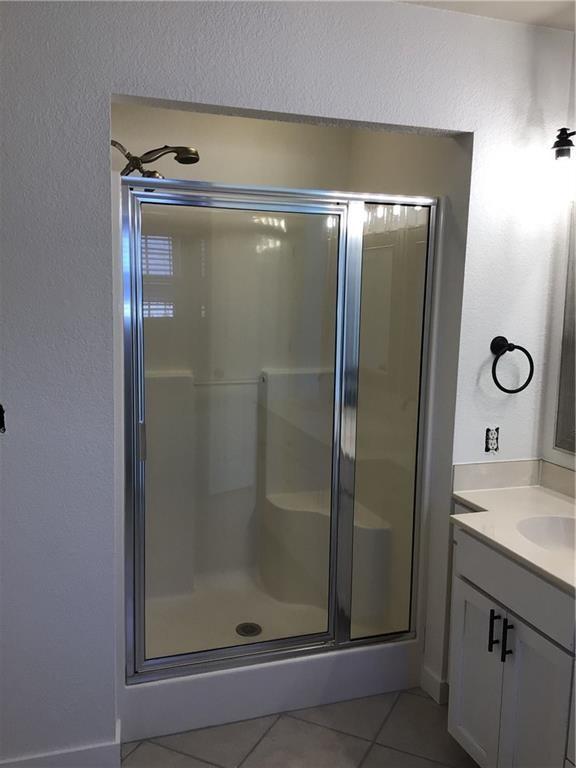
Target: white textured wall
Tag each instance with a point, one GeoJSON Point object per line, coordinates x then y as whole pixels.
{"type": "Point", "coordinates": [378, 62]}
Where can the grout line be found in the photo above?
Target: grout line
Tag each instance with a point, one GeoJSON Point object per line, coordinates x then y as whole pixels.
{"type": "Point", "coordinates": [326, 727]}
{"type": "Point", "coordinates": [266, 732]}
{"type": "Point", "coordinates": [134, 748]}
{"type": "Point", "coordinates": [209, 727]}
{"type": "Point", "coordinates": [131, 752]}
{"type": "Point", "coordinates": [413, 754]}
{"type": "Point", "coordinates": [185, 754]}
{"type": "Point", "coordinates": [386, 718]}
{"type": "Point", "coordinates": [365, 757]}
{"type": "Point", "coordinates": [378, 731]}
{"type": "Point", "coordinates": [422, 695]}
{"type": "Point", "coordinates": [404, 751]}
{"type": "Point", "coordinates": [291, 713]}
{"type": "Point", "coordinates": [370, 742]}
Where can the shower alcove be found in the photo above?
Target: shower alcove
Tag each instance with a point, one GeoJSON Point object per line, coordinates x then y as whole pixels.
{"type": "Point", "coordinates": [276, 345]}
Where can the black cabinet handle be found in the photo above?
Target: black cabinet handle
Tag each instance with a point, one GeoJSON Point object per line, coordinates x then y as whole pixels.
{"type": "Point", "coordinates": [491, 642]}
{"type": "Point", "coordinates": [505, 651]}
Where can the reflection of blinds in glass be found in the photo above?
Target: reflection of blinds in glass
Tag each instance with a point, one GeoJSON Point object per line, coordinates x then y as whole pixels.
{"type": "Point", "coordinates": [157, 256]}
{"type": "Point", "coordinates": [158, 273]}
{"type": "Point", "coordinates": [158, 308]}
{"type": "Point", "coordinates": [565, 415]}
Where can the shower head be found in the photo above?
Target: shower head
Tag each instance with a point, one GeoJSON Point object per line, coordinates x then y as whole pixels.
{"type": "Point", "coordinates": [187, 156]}
{"type": "Point", "coordinates": [152, 175]}
{"type": "Point", "coordinates": [183, 155]}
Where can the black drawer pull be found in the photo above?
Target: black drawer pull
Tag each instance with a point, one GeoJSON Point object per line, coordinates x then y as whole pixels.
{"type": "Point", "coordinates": [505, 651]}
{"type": "Point", "coordinates": [491, 642]}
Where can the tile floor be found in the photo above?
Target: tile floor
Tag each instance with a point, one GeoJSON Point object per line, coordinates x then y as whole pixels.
{"type": "Point", "coordinates": [395, 730]}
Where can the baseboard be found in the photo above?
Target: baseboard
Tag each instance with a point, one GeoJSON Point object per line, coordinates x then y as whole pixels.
{"type": "Point", "coordinates": [182, 703]}
{"type": "Point", "coordinates": [94, 756]}
{"type": "Point", "coordinates": [434, 685]}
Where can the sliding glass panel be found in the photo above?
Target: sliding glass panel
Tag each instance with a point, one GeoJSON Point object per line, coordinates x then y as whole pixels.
{"type": "Point", "coordinates": [391, 326]}
{"type": "Point", "coordinates": [239, 312]}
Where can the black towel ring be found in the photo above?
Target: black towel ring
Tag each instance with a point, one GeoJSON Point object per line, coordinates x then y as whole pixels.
{"type": "Point", "coordinates": [499, 346]}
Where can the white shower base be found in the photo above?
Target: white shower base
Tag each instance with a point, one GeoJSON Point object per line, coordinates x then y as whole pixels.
{"type": "Point", "coordinates": [207, 618]}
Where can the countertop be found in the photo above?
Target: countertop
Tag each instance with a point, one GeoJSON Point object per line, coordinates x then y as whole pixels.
{"type": "Point", "coordinates": [499, 511]}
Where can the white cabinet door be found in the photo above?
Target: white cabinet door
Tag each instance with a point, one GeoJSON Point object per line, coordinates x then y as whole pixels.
{"type": "Point", "coordinates": [535, 700]}
{"type": "Point", "coordinates": [475, 674]}
{"type": "Point", "coordinates": [570, 752]}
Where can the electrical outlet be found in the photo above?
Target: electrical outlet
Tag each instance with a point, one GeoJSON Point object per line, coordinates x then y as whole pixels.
{"type": "Point", "coordinates": [492, 439]}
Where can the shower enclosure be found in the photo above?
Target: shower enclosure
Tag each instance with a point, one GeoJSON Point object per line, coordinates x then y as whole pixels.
{"type": "Point", "coordinates": [275, 360]}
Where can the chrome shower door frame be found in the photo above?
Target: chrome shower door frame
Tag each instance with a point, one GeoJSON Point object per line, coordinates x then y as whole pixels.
{"type": "Point", "coordinates": [349, 209]}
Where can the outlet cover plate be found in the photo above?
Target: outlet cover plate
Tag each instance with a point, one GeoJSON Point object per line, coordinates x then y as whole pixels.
{"type": "Point", "coordinates": [492, 440]}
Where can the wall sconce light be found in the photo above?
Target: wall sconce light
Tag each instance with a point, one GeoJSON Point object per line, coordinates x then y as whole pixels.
{"type": "Point", "coordinates": [563, 143]}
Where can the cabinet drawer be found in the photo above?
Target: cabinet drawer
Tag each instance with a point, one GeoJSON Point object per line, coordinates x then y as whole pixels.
{"type": "Point", "coordinates": [541, 604]}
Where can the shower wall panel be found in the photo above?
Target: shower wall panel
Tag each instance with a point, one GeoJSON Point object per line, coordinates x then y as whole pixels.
{"type": "Point", "coordinates": [394, 264]}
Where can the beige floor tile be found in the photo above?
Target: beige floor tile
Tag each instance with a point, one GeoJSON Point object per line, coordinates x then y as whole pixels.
{"type": "Point", "coordinates": [149, 755]}
{"type": "Point", "coordinates": [382, 757]}
{"type": "Point", "coordinates": [225, 745]}
{"type": "Point", "coordinates": [418, 725]}
{"type": "Point", "coordinates": [292, 743]}
{"type": "Point", "coordinates": [358, 717]}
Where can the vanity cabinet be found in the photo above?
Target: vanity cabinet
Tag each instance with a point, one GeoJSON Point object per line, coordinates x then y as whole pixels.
{"type": "Point", "coordinates": [535, 701]}
{"type": "Point", "coordinates": [510, 684]}
{"type": "Point", "coordinates": [475, 674]}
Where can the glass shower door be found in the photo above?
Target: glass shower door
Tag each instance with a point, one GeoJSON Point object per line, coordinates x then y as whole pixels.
{"type": "Point", "coordinates": [238, 335]}
{"type": "Point", "coordinates": [275, 370]}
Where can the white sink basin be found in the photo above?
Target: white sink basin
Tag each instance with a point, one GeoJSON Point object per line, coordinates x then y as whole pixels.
{"type": "Point", "coordinates": [549, 532]}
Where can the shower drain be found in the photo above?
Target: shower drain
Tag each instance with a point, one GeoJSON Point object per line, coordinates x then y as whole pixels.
{"type": "Point", "coordinates": [248, 629]}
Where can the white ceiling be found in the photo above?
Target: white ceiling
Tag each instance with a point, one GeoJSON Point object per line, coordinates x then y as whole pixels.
{"type": "Point", "coordinates": [559, 14]}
